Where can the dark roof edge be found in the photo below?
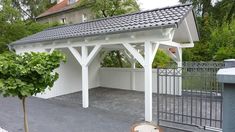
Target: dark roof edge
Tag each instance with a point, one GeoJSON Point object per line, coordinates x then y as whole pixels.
{"type": "Point", "coordinates": [100, 19]}
{"type": "Point", "coordinates": [135, 30]}
{"type": "Point", "coordinates": [185, 15]}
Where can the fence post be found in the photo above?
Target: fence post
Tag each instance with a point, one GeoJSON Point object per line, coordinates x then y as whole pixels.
{"type": "Point", "coordinates": [227, 77]}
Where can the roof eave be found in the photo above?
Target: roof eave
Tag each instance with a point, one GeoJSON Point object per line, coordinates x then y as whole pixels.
{"type": "Point", "coordinates": [92, 35]}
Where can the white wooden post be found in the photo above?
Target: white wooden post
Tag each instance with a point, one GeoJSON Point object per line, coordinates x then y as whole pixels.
{"type": "Point", "coordinates": [85, 94]}
{"type": "Point", "coordinates": [148, 81]}
{"type": "Point", "coordinates": [179, 64]}
{"type": "Point", "coordinates": [133, 67]}
{"type": "Point", "coordinates": [84, 60]}
{"type": "Point", "coordinates": [147, 64]}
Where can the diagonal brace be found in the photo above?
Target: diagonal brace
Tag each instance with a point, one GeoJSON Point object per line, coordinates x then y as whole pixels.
{"type": "Point", "coordinates": [135, 53]}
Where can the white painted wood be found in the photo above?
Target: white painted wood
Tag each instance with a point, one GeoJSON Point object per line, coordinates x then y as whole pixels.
{"type": "Point", "coordinates": [92, 55]}
{"type": "Point", "coordinates": [140, 37]}
{"type": "Point", "coordinates": [148, 81]}
{"type": "Point", "coordinates": [179, 54]}
{"type": "Point", "coordinates": [179, 64]}
{"type": "Point", "coordinates": [85, 92]}
{"type": "Point", "coordinates": [135, 53]}
{"type": "Point", "coordinates": [133, 66]}
{"type": "Point", "coordinates": [122, 80]}
{"type": "Point", "coordinates": [167, 44]}
{"type": "Point", "coordinates": [188, 31]}
{"type": "Point", "coordinates": [76, 54]}
{"type": "Point", "coordinates": [187, 45]}
{"type": "Point", "coordinates": [133, 61]}
{"type": "Point", "coordinates": [128, 56]}
{"type": "Point", "coordinates": [155, 48]}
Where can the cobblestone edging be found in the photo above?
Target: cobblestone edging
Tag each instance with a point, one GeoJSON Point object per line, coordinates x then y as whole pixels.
{"type": "Point", "coordinates": [2, 130]}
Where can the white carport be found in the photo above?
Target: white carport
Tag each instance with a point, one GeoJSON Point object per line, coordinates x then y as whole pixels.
{"type": "Point", "coordinates": [138, 36]}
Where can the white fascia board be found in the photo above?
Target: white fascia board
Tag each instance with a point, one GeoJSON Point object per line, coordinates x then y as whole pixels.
{"type": "Point", "coordinates": [140, 37]}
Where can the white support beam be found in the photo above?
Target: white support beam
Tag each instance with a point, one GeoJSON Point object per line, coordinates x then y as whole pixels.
{"type": "Point", "coordinates": [133, 67]}
{"type": "Point", "coordinates": [92, 42]}
{"type": "Point", "coordinates": [179, 54]}
{"type": "Point", "coordinates": [148, 81]}
{"type": "Point", "coordinates": [129, 57]}
{"type": "Point", "coordinates": [92, 55]}
{"type": "Point", "coordinates": [169, 44]}
{"type": "Point", "coordinates": [179, 64]}
{"type": "Point", "coordinates": [135, 53]}
{"type": "Point", "coordinates": [76, 55]}
{"type": "Point", "coordinates": [187, 45]}
{"type": "Point", "coordinates": [155, 48]}
{"type": "Point", "coordinates": [85, 82]}
{"type": "Point", "coordinates": [188, 31]}
{"type": "Point", "coordinates": [82, 59]}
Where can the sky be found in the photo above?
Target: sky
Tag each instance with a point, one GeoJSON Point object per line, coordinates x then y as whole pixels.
{"type": "Point", "coordinates": [152, 4]}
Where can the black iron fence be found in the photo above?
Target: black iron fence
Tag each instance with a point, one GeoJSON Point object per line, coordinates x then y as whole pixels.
{"type": "Point", "coordinates": [190, 95]}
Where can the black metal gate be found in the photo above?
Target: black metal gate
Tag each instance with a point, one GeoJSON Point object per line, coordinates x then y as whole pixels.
{"type": "Point", "coordinates": [190, 95]}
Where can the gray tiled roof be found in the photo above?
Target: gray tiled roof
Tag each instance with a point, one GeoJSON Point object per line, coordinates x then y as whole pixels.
{"type": "Point", "coordinates": [158, 18]}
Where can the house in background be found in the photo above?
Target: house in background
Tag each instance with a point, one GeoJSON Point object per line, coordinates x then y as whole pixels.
{"type": "Point", "coordinates": [65, 12]}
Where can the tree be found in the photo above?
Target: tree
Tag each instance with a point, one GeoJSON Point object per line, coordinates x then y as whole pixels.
{"type": "Point", "coordinates": [161, 60]}
{"type": "Point", "coordinates": [225, 53]}
{"type": "Point", "coordinates": [13, 28]}
{"type": "Point", "coordinates": [30, 9]}
{"type": "Point", "coordinates": [109, 8]}
{"type": "Point", "coordinates": [215, 22]}
{"type": "Point", "coordinates": [203, 7]}
{"type": "Point", "coordinates": [224, 11]}
{"type": "Point", "coordinates": [27, 75]}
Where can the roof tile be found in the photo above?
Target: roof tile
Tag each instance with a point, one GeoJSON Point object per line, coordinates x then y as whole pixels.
{"type": "Point", "coordinates": [158, 18]}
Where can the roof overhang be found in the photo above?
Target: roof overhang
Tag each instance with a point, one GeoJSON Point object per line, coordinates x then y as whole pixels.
{"type": "Point", "coordinates": [183, 31]}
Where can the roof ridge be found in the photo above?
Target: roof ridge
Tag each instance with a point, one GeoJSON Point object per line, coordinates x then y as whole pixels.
{"type": "Point", "coordinates": [123, 15]}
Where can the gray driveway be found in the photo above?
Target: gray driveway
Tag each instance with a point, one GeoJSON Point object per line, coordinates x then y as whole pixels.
{"type": "Point", "coordinates": [110, 111]}
{"type": "Point", "coordinates": [49, 116]}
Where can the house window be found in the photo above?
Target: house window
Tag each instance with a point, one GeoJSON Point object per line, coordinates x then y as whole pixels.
{"type": "Point", "coordinates": [63, 20]}
{"type": "Point", "coordinates": [72, 1]}
{"type": "Point", "coordinates": [84, 17]}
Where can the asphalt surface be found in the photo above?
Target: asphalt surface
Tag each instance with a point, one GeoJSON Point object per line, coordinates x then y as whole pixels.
{"type": "Point", "coordinates": [65, 113]}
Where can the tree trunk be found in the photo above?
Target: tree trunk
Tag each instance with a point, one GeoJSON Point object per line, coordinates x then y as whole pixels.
{"type": "Point", "coordinates": [26, 128]}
